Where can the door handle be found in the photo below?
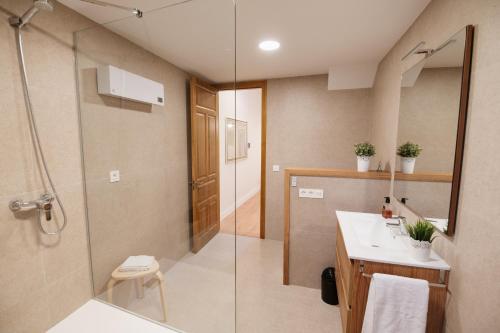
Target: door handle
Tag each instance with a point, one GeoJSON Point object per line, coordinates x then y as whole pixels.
{"type": "Point", "coordinates": [194, 184]}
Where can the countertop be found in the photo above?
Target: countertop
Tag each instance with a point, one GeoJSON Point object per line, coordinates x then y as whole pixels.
{"type": "Point", "coordinates": [367, 238]}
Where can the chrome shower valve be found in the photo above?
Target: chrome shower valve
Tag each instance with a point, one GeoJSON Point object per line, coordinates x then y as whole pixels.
{"type": "Point", "coordinates": [44, 203]}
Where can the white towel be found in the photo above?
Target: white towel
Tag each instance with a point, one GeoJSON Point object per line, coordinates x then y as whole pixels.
{"type": "Point", "coordinates": [137, 264]}
{"type": "Point", "coordinates": [396, 304]}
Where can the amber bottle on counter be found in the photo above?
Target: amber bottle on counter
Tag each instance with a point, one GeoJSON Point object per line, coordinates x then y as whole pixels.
{"type": "Point", "coordinates": [387, 208]}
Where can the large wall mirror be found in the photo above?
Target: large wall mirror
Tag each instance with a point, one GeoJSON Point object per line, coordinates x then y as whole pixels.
{"type": "Point", "coordinates": [431, 131]}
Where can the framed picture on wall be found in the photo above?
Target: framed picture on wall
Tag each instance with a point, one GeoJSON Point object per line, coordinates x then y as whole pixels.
{"type": "Point", "coordinates": [236, 140]}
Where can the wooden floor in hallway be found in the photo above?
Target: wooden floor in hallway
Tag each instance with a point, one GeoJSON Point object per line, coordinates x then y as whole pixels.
{"type": "Point", "coordinates": [248, 219]}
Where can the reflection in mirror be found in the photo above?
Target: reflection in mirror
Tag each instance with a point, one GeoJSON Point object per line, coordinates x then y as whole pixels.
{"type": "Point", "coordinates": [430, 130]}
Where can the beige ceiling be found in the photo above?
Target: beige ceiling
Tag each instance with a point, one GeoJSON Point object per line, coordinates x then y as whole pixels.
{"type": "Point", "coordinates": [198, 35]}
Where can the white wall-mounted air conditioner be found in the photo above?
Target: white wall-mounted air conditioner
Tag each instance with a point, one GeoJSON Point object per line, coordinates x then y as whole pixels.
{"type": "Point", "coordinates": [116, 82]}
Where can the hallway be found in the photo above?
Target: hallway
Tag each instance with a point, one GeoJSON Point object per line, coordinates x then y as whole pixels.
{"type": "Point", "coordinates": [248, 219]}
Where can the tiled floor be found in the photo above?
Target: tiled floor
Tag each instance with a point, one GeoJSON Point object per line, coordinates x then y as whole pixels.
{"type": "Point", "coordinates": [247, 219]}
{"type": "Point", "coordinates": [200, 292]}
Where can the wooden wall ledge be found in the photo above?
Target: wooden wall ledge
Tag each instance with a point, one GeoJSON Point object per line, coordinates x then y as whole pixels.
{"type": "Point", "coordinates": [337, 173]}
{"type": "Point", "coordinates": [315, 172]}
{"type": "Point", "coordinates": [425, 177]}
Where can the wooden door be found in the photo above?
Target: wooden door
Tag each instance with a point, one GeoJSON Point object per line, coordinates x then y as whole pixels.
{"type": "Point", "coordinates": [204, 163]}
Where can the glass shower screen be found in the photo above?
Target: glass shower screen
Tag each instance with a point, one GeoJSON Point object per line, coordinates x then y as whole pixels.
{"type": "Point", "coordinates": [153, 155]}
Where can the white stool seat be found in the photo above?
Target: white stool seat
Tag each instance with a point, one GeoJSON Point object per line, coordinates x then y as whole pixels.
{"type": "Point", "coordinates": [118, 275]}
{"type": "Point", "coordinates": [139, 276]}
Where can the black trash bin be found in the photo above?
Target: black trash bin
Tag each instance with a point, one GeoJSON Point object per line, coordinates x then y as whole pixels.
{"type": "Point", "coordinates": [328, 286]}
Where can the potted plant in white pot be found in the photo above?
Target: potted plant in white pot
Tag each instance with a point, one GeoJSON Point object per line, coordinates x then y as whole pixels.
{"type": "Point", "coordinates": [364, 151]}
{"type": "Point", "coordinates": [421, 238]}
{"type": "Point", "coordinates": [409, 153]}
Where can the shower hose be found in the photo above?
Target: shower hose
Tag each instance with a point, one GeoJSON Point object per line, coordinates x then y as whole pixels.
{"type": "Point", "coordinates": [35, 138]}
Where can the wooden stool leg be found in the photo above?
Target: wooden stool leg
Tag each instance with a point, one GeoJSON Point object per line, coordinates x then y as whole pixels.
{"type": "Point", "coordinates": [139, 287]}
{"type": "Point", "coordinates": [160, 278]}
{"type": "Point", "coordinates": [111, 284]}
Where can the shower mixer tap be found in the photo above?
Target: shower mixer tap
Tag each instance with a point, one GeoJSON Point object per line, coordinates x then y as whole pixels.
{"type": "Point", "coordinates": [43, 204]}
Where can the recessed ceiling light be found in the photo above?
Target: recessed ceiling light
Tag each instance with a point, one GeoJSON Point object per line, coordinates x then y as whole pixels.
{"type": "Point", "coordinates": [269, 45]}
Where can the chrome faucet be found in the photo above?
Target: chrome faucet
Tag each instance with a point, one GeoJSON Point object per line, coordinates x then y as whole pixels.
{"type": "Point", "coordinates": [397, 226]}
{"type": "Point", "coordinates": [402, 225]}
{"type": "Point", "coordinates": [43, 204]}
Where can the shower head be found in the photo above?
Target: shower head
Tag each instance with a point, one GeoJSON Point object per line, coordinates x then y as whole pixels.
{"type": "Point", "coordinates": [43, 5]}
{"type": "Point", "coordinates": [38, 5]}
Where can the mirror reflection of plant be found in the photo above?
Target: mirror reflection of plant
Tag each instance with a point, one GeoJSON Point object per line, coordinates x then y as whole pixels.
{"type": "Point", "coordinates": [409, 149]}
{"type": "Point", "coordinates": [364, 149]}
{"type": "Point", "coordinates": [422, 231]}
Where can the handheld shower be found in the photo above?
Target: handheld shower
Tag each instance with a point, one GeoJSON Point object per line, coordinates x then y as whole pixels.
{"type": "Point", "coordinates": [20, 21]}
{"type": "Point", "coordinates": [43, 5]}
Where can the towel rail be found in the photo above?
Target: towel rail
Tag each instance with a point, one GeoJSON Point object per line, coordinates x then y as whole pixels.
{"type": "Point", "coordinates": [369, 276]}
{"type": "Point", "coordinates": [436, 285]}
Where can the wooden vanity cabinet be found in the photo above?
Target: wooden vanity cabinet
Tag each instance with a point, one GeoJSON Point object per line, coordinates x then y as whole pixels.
{"type": "Point", "coordinates": [352, 288]}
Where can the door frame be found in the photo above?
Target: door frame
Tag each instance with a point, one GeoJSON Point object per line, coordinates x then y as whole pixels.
{"type": "Point", "coordinates": [262, 84]}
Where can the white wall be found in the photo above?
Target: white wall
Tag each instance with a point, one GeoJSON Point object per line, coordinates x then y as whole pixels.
{"type": "Point", "coordinates": [249, 109]}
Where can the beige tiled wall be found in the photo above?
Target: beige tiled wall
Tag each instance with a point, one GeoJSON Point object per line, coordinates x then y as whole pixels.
{"type": "Point", "coordinates": [43, 278]}
{"type": "Point", "coordinates": [309, 126]}
{"type": "Point", "coordinates": [313, 223]}
{"type": "Point", "coordinates": [473, 252]}
{"type": "Point", "coordinates": [147, 211]}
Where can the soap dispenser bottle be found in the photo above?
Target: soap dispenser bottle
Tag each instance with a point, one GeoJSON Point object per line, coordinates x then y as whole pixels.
{"type": "Point", "coordinates": [387, 208]}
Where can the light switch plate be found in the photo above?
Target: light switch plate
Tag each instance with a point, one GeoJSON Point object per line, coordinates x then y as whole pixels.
{"type": "Point", "coordinates": [313, 193]}
{"type": "Point", "coordinates": [294, 181]}
{"type": "Point", "coordinates": [276, 168]}
{"type": "Point", "coordinates": [114, 176]}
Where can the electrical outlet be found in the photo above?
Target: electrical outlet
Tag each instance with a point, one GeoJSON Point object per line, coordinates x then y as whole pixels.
{"type": "Point", "coordinates": [294, 181]}
{"type": "Point", "coordinates": [114, 176]}
{"type": "Point", "coordinates": [312, 193]}
{"type": "Point", "coordinates": [276, 168]}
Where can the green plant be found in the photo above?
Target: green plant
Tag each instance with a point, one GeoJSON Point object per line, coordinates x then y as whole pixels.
{"type": "Point", "coordinates": [422, 231]}
{"type": "Point", "coordinates": [409, 150]}
{"type": "Point", "coordinates": [364, 149]}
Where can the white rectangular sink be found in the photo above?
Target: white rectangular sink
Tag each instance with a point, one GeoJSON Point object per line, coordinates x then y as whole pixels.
{"type": "Point", "coordinates": [367, 237]}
